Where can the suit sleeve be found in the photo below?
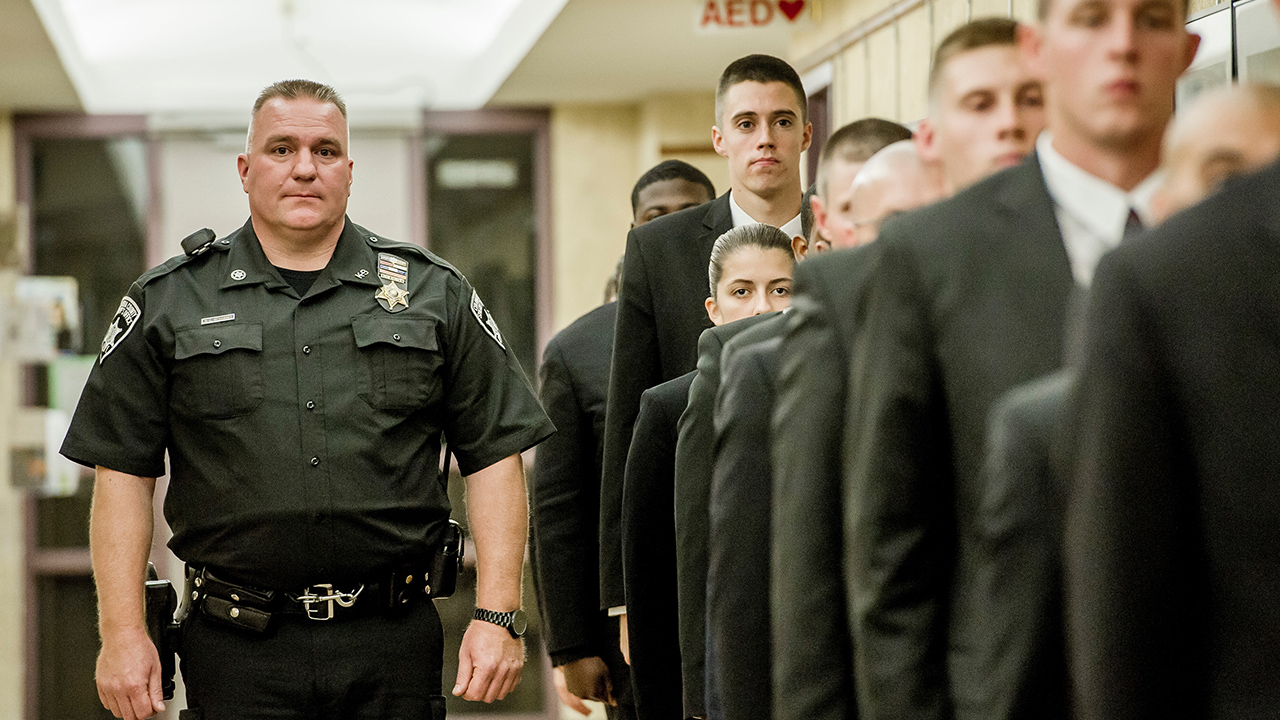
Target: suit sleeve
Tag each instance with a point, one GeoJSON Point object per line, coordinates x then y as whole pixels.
{"type": "Point", "coordinates": [563, 519]}
{"type": "Point", "coordinates": [1131, 516]}
{"type": "Point", "coordinates": [636, 367]}
{"type": "Point", "coordinates": [813, 665]}
{"type": "Point", "coordinates": [738, 539]}
{"type": "Point", "coordinates": [693, 491]}
{"type": "Point", "coordinates": [648, 552]}
{"type": "Point", "coordinates": [1017, 650]}
{"type": "Point", "coordinates": [898, 502]}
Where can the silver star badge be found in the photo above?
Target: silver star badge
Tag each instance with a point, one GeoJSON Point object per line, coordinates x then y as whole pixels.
{"type": "Point", "coordinates": [391, 295]}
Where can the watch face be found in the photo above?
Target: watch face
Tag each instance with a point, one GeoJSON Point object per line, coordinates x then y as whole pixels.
{"type": "Point", "coordinates": [519, 623]}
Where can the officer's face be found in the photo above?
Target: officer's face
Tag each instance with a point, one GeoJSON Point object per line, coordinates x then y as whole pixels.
{"type": "Point", "coordinates": [1109, 68]}
{"type": "Point", "coordinates": [753, 281]}
{"type": "Point", "coordinates": [762, 134]}
{"type": "Point", "coordinates": [667, 196]}
{"type": "Point", "coordinates": [831, 210]}
{"type": "Point", "coordinates": [296, 171]}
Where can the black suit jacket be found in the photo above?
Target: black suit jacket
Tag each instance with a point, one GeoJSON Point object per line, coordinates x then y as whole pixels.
{"type": "Point", "coordinates": [1173, 517]}
{"type": "Point", "coordinates": [1021, 657]}
{"type": "Point", "coordinates": [694, 462]}
{"type": "Point", "coordinates": [812, 648]}
{"type": "Point", "coordinates": [649, 550]}
{"type": "Point", "coordinates": [660, 315]}
{"type": "Point", "coordinates": [738, 539]}
{"type": "Point", "coordinates": [564, 487]}
{"type": "Point", "coordinates": [967, 301]}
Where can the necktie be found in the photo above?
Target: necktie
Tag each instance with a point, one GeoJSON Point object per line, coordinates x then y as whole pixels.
{"type": "Point", "coordinates": [1132, 226]}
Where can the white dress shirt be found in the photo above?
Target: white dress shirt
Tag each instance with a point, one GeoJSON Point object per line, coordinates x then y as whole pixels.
{"type": "Point", "coordinates": [1092, 213]}
{"type": "Point", "coordinates": [793, 227]}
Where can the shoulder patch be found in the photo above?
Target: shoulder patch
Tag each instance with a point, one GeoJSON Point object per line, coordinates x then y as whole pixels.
{"type": "Point", "coordinates": [485, 319]}
{"type": "Point", "coordinates": [121, 325]}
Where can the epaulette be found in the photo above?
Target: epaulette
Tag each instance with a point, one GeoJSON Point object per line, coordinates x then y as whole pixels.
{"type": "Point", "coordinates": [380, 243]}
{"type": "Point", "coordinates": [193, 246]}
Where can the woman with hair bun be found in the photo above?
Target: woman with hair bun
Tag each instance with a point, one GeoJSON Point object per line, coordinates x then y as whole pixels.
{"type": "Point", "coordinates": [750, 274]}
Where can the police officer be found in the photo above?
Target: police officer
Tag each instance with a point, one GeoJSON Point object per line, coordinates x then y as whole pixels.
{"type": "Point", "coordinates": [299, 373]}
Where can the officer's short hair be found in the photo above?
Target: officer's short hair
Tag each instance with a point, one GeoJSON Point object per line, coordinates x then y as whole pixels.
{"type": "Point", "coordinates": [671, 170]}
{"type": "Point", "coordinates": [765, 237]}
{"type": "Point", "coordinates": [856, 143]}
{"type": "Point", "coordinates": [293, 90]}
{"type": "Point", "coordinates": [761, 69]}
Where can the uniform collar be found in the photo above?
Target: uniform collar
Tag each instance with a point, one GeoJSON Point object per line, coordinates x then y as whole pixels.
{"type": "Point", "coordinates": [247, 264]}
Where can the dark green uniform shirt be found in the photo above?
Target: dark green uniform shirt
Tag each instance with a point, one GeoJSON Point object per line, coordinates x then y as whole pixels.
{"type": "Point", "coordinates": [303, 432]}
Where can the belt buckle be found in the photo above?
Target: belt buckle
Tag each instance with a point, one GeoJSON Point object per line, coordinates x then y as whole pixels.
{"type": "Point", "coordinates": [316, 604]}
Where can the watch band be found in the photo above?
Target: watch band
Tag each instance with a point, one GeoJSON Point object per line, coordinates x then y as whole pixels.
{"type": "Point", "coordinates": [513, 622]}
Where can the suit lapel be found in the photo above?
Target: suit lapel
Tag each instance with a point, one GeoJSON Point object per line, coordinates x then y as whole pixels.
{"type": "Point", "coordinates": [1033, 249]}
{"type": "Point", "coordinates": [717, 221]}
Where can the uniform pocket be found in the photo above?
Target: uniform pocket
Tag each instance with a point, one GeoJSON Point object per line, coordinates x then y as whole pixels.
{"type": "Point", "coordinates": [402, 360]}
{"type": "Point", "coordinates": [217, 370]}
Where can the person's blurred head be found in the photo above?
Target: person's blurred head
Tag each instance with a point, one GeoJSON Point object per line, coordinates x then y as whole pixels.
{"type": "Point", "coordinates": [894, 180]}
{"type": "Point", "coordinates": [1224, 132]}
{"type": "Point", "coordinates": [614, 283]}
{"type": "Point", "coordinates": [842, 157]}
{"type": "Point", "coordinates": [762, 126]}
{"type": "Point", "coordinates": [1109, 68]}
{"type": "Point", "coordinates": [750, 273]}
{"type": "Point", "coordinates": [985, 108]}
{"type": "Point", "coordinates": [669, 186]}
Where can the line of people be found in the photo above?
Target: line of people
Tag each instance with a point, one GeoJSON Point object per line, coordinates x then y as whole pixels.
{"type": "Point", "coordinates": [961, 466]}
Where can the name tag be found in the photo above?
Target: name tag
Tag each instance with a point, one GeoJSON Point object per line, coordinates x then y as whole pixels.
{"type": "Point", "coordinates": [217, 319]}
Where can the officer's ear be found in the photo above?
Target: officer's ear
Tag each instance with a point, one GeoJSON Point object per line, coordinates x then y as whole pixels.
{"type": "Point", "coordinates": [242, 165]}
{"type": "Point", "coordinates": [713, 311]}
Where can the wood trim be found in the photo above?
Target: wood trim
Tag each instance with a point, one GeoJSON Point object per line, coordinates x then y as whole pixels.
{"type": "Point", "coordinates": [60, 561]}
{"type": "Point", "coordinates": [858, 32]}
{"type": "Point", "coordinates": [687, 149]}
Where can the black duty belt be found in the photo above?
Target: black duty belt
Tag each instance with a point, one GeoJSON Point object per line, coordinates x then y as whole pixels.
{"type": "Point", "coordinates": [252, 608]}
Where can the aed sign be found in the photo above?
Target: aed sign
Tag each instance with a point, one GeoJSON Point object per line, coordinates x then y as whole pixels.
{"type": "Point", "coordinates": [714, 15]}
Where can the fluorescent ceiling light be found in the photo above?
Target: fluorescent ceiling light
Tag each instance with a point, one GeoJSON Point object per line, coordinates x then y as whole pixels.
{"type": "Point", "coordinates": [213, 56]}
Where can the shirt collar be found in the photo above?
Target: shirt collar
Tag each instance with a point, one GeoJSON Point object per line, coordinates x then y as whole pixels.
{"type": "Point", "coordinates": [1096, 204]}
{"type": "Point", "coordinates": [247, 264]}
{"type": "Point", "coordinates": [793, 227]}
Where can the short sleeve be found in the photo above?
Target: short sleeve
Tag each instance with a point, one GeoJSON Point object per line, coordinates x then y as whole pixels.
{"type": "Point", "coordinates": [492, 411]}
{"type": "Point", "coordinates": [121, 420]}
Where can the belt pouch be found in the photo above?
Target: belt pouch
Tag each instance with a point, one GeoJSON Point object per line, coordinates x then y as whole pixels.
{"type": "Point", "coordinates": [235, 614]}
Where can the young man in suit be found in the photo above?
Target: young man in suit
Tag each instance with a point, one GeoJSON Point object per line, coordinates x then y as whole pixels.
{"type": "Point", "coordinates": [1020, 524]}
{"type": "Point", "coordinates": [852, 144]}
{"type": "Point", "coordinates": [968, 300]}
{"type": "Point", "coordinates": [564, 487]}
{"type": "Point", "coordinates": [761, 129]}
{"type": "Point", "coordinates": [814, 650]}
{"type": "Point", "coordinates": [1173, 513]}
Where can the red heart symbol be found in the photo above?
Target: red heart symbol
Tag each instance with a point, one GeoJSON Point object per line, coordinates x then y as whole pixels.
{"type": "Point", "coordinates": [791, 8]}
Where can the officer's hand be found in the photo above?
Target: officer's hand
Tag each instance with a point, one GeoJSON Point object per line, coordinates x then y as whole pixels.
{"type": "Point", "coordinates": [589, 679]}
{"type": "Point", "coordinates": [128, 676]}
{"type": "Point", "coordinates": [568, 699]}
{"type": "Point", "coordinates": [489, 663]}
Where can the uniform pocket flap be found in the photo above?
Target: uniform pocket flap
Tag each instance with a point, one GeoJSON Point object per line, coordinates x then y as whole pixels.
{"type": "Point", "coordinates": [411, 332]}
{"type": "Point", "coordinates": [217, 339]}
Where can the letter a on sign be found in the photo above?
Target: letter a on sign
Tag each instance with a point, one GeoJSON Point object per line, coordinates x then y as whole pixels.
{"type": "Point", "coordinates": [721, 15]}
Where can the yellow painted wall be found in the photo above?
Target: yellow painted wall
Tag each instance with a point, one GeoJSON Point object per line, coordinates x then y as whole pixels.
{"type": "Point", "coordinates": [885, 73]}
{"type": "Point", "coordinates": [598, 151]}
